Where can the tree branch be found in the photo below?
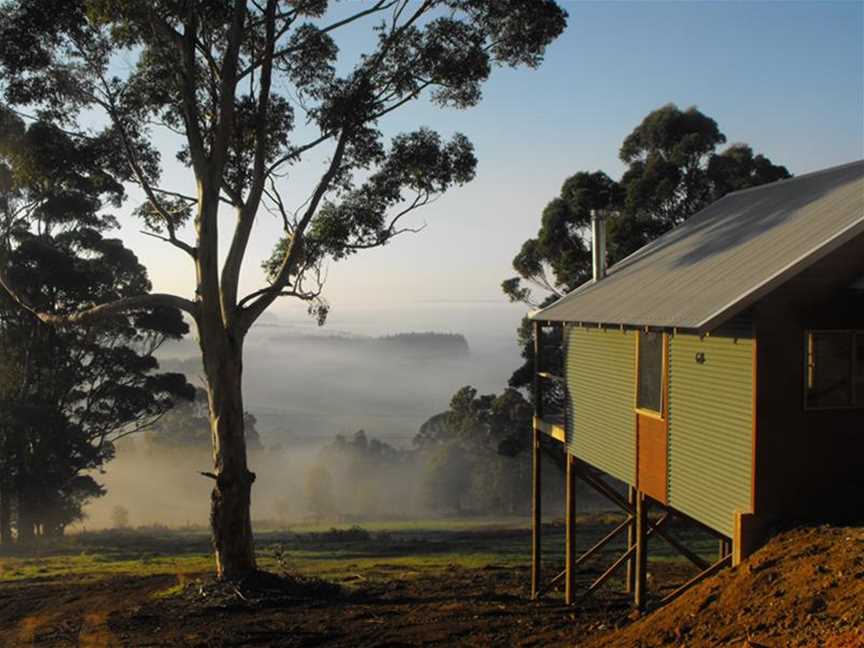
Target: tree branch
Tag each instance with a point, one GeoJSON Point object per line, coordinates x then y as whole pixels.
{"type": "Point", "coordinates": [101, 311]}
{"type": "Point", "coordinates": [247, 213]}
{"type": "Point", "coordinates": [185, 45]}
{"type": "Point", "coordinates": [229, 79]}
{"type": "Point", "coordinates": [173, 240]}
{"type": "Point", "coordinates": [391, 230]}
{"type": "Point", "coordinates": [381, 5]}
{"type": "Point", "coordinates": [268, 295]}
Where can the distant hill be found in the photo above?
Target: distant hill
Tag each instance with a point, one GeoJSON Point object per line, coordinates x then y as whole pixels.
{"type": "Point", "coordinates": [427, 343]}
{"type": "Point", "coordinates": [304, 384]}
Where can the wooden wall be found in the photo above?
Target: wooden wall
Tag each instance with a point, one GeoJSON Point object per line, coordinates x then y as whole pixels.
{"type": "Point", "coordinates": [809, 465]}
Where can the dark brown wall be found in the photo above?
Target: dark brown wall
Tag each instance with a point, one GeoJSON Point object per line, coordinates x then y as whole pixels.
{"type": "Point", "coordinates": [809, 465]}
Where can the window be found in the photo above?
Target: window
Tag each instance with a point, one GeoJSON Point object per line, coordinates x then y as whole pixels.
{"type": "Point", "coordinates": [649, 394]}
{"type": "Point", "coordinates": [835, 369]}
{"type": "Point", "coordinates": [859, 369]}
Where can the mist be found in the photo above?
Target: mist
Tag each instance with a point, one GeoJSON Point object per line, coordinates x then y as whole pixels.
{"type": "Point", "coordinates": [305, 385]}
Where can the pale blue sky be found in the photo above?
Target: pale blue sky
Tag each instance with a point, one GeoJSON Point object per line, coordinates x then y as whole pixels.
{"type": "Point", "coordinates": [787, 78]}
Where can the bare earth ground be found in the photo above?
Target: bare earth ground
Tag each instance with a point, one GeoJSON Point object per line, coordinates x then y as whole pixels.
{"type": "Point", "coordinates": [804, 589]}
{"type": "Point", "coordinates": [441, 588]}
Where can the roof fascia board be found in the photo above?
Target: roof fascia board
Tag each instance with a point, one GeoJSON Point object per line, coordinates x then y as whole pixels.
{"type": "Point", "coordinates": [536, 314]}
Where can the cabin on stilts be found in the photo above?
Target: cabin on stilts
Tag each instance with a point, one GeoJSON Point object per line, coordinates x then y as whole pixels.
{"type": "Point", "coordinates": [718, 372]}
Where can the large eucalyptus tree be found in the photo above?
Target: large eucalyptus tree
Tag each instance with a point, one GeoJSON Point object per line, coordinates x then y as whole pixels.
{"type": "Point", "coordinates": [233, 78]}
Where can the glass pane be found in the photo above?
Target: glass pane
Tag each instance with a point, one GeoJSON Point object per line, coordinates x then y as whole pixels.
{"type": "Point", "coordinates": [829, 370]}
{"type": "Point", "coordinates": [859, 370]}
{"type": "Point", "coordinates": [649, 394]}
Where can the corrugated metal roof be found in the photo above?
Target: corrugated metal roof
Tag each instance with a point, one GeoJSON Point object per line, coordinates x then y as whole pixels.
{"type": "Point", "coordinates": [726, 257]}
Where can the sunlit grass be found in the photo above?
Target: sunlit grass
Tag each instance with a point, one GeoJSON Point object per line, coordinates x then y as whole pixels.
{"type": "Point", "coordinates": [100, 565]}
{"type": "Point", "coordinates": [433, 524]}
{"type": "Point", "coordinates": [379, 551]}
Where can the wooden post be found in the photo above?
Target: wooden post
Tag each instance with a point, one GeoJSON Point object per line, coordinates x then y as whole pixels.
{"type": "Point", "coordinates": [640, 585]}
{"type": "Point", "coordinates": [631, 541]}
{"type": "Point", "coordinates": [536, 520]}
{"type": "Point", "coordinates": [570, 518]}
{"type": "Point", "coordinates": [538, 368]}
{"type": "Point", "coordinates": [536, 493]}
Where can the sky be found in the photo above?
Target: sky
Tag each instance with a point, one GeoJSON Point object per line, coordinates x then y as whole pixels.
{"type": "Point", "coordinates": [785, 77]}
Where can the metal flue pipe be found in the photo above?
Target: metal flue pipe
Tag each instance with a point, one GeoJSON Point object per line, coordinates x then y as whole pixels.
{"type": "Point", "coordinates": [598, 243]}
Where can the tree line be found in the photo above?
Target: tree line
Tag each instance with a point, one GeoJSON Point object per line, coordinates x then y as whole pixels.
{"type": "Point", "coordinates": [461, 462]}
{"type": "Point", "coordinates": [68, 393]}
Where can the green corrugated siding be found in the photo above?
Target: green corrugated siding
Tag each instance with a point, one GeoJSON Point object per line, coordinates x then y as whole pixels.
{"type": "Point", "coordinates": [600, 373]}
{"type": "Point", "coordinates": [711, 428]}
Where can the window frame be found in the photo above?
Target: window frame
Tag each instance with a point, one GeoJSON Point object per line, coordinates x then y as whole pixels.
{"type": "Point", "coordinates": [664, 373]}
{"type": "Point", "coordinates": [857, 400]}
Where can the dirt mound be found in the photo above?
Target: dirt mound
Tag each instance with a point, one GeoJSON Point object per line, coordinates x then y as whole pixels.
{"type": "Point", "coordinates": [258, 590]}
{"type": "Point", "coordinates": [804, 589]}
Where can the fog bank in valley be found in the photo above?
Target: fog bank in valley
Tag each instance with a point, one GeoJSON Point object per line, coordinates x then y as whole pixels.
{"type": "Point", "coordinates": [304, 385]}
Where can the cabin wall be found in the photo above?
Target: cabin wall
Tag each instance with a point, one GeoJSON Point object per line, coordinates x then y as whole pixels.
{"type": "Point", "coordinates": [809, 464]}
{"type": "Point", "coordinates": [711, 427]}
{"type": "Point", "coordinates": [601, 380]}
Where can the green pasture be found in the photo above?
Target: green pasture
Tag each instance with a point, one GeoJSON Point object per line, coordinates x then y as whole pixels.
{"type": "Point", "coordinates": [379, 551]}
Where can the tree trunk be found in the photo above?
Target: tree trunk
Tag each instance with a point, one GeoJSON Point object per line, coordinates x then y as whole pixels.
{"type": "Point", "coordinates": [5, 513]}
{"type": "Point", "coordinates": [230, 515]}
{"type": "Point", "coordinates": [25, 519]}
{"type": "Point", "coordinates": [26, 525]}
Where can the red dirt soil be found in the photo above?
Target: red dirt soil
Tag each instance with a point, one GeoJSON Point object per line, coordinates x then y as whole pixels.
{"type": "Point", "coordinates": [804, 589]}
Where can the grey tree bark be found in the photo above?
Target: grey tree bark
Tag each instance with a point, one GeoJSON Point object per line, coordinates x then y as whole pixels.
{"type": "Point", "coordinates": [5, 513]}
{"type": "Point", "coordinates": [230, 509]}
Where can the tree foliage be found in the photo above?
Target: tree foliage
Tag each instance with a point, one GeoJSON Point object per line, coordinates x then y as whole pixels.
{"type": "Point", "coordinates": [468, 453]}
{"type": "Point", "coordinates": [68, 393]}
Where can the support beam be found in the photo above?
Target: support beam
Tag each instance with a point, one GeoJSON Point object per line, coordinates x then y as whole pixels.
{"type": "Point", "coordinates": [725, 548]}
{"type": "Point", "coordinates": [548, 586]}
{"type": "Point", "coordinates": [602, 543]}
{"type": "Point", "coordinates": [611, 571]}
{"type": "Point", "coordinates": [602, 487]}
{"type": "Point", "coordinates": [640, 584]}
{"type": "Point", "coordinates": [538, 370]}
{"type": "Point", "coordinates": [536, 512]}
{"type": "Point", "coordinates": [706, 573]}
{"type": "Point", "coordinates": [749, 532]}
{"type": "Point", "coordinates": [630, 583]}
{"type": "Point", "coordinates": [570, 521]}
{"type": "Point", "coordinates": [536, 515]}
{"type": "Point", "coordinates": [682, 549]}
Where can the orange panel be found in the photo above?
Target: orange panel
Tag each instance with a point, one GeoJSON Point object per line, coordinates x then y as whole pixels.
{"type": "Point", "coordinates": [653, 445]}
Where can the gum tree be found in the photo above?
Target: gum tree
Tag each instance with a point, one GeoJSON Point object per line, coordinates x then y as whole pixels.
{"type": "Point", "coordinates": [236, 81]}
{"type": "Point", "coordinates": [67, 395]}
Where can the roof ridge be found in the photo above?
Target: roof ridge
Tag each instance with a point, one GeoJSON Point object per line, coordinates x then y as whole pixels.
{"type": "Point", "coordinates": [809, 174]}
{"type": "Point", "coordinates": [620, 263]}
{"type": "Point", "coordinates": [811, 220]}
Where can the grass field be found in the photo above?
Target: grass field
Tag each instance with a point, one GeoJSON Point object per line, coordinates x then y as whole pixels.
{"type": "Point", "coordinates": [329, 550]}
{"type": "Point", "coordinates": [463, 573]}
